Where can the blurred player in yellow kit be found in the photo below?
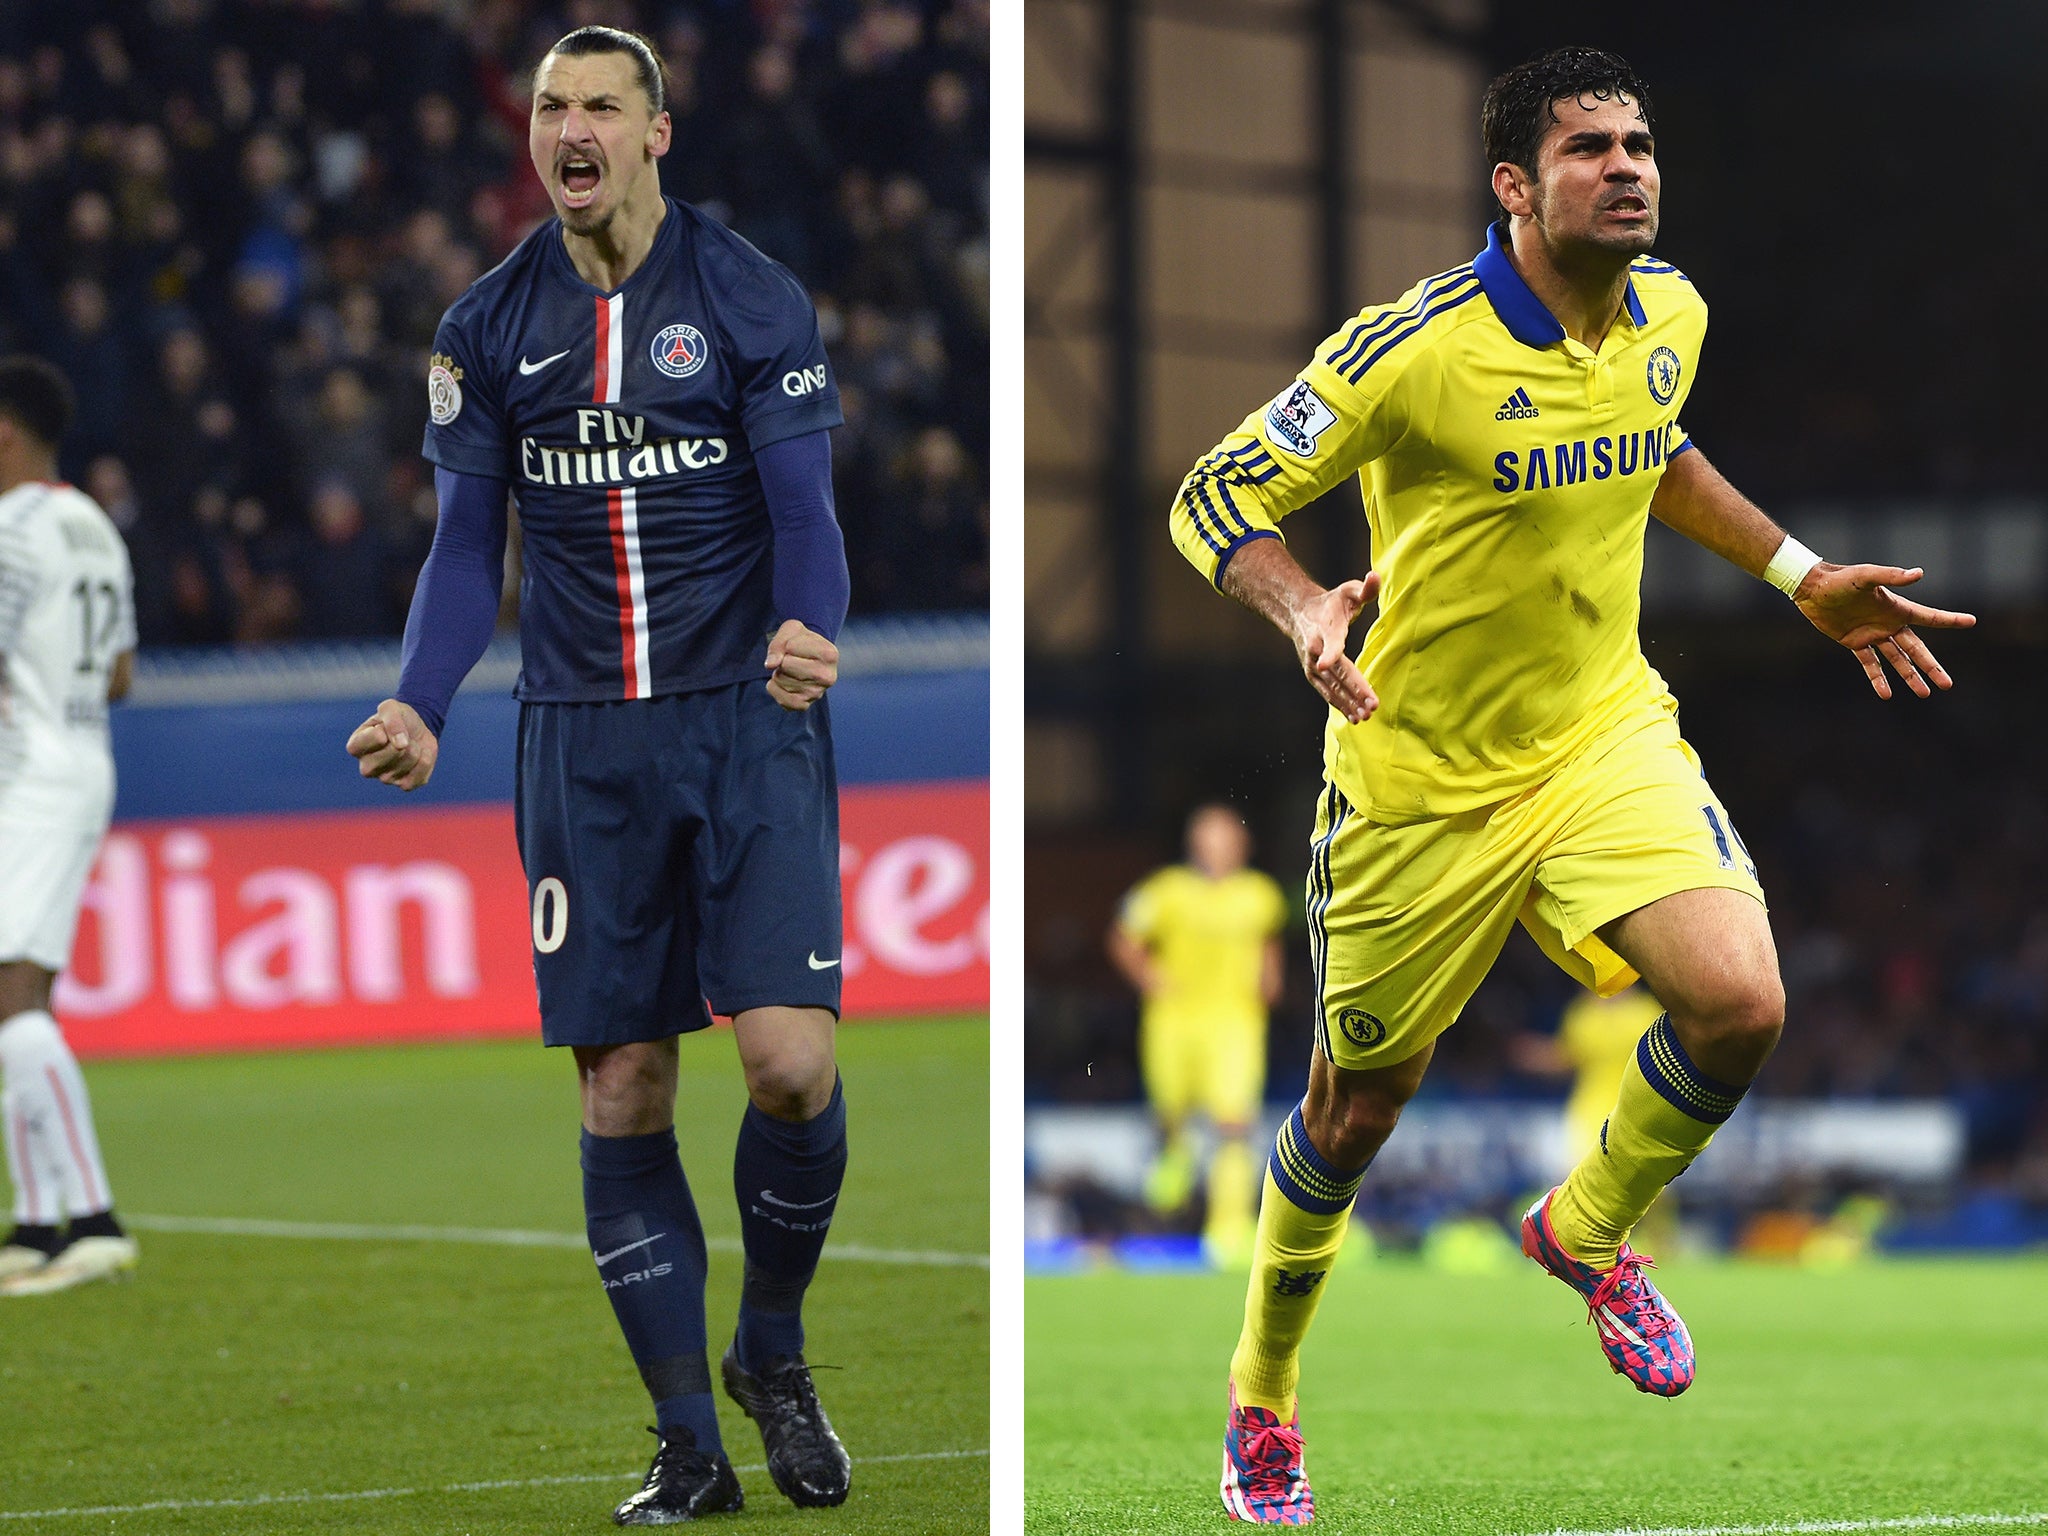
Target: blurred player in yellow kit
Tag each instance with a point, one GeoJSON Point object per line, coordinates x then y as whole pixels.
{"type": "Point", "coordinates": [1200, 943]}
{"type": "Point", "coordinates": [1501, 751]}
{"type": "Point", "coordinates": [1594, 1041]}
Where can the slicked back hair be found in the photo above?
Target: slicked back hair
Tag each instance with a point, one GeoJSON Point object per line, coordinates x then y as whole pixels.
{"type": "Point", "coordinates": [647, 62]}
{"type": "Point", "coordinates": [1521, 105]}
{"type": "Point", "coordinates": [38, 397]}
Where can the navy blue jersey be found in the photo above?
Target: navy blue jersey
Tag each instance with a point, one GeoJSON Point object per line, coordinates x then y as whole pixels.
{"type": "Point", "coordinates": [627, 424]}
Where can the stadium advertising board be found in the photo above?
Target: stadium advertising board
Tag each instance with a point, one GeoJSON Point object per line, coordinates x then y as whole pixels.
{"type": "Point", "coordinates": [227, 932]}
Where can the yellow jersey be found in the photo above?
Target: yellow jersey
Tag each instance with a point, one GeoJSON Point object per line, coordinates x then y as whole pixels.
{"type": "Point", "coordinates": [1207, 937]}
{"type": "Point", "coordinates": [1507, 473]}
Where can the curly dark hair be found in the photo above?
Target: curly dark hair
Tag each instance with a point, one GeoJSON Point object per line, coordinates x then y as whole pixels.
{"type": "Point", "coordinates": [1521, 105]}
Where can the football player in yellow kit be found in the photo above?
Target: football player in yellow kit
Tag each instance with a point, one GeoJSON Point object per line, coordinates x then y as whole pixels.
{"type": "Point", "coordinates": [1501, 751]}
{"type": "Point", "coordinates": [1199, 941]}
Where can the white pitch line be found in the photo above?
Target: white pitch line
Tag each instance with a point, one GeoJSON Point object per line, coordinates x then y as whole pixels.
{"type": "Point", "coordinates": [502, 1237]}
{"type": "Point", "coordinates": [356, 1496]}
{"type": "Point", "coordinates": [1818, 1527]}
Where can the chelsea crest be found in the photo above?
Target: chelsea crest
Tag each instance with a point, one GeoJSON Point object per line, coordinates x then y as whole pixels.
{"type": "Point", "coordinates": [1663, 371]}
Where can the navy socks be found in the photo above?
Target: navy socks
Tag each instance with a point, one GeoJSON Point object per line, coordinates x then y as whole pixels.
{"type": "Point", "coordinates": [787, 1178]}
{"type": "Point", "coordinates": [649, 1247]}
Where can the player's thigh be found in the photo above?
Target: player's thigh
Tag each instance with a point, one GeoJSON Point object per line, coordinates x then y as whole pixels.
{"type": "Point", "coordinates": [613, 926]}
{"type": "Point", "coordinates": [1405, 921]}
{"type": "Point", "coordinates": [1231, 1081]}
{"type": "Point", "coordinates": [1639, 824]}
{"type": "Point", "coordinates": [1705, 954]}
{"type": "Point", "coordinates": [46, 868]}
{"type": "Point", "coordinates": [1169, 1060]}
{"type": "Point", "coordinates": [766, 861]}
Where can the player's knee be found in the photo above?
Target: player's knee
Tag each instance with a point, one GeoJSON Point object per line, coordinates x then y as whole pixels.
{"type": "Point", "coordinates": [1354, 1126]}
{"type": "Point", "coordinates": [1741, 1022]}
{"type": "Point", "coordinates": [794, 1083]}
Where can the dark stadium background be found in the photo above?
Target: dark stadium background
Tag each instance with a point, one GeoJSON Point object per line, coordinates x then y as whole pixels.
{"type": "Point", "coordinates": [1845, 186]}
{"type": "Point", "coordinates": [235, 223]}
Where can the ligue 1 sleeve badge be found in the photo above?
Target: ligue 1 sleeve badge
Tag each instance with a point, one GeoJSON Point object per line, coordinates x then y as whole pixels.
{"type": "Point", "coordinates": [444, 389]}
{"type": "Point", "coordinates": [1664, 372]}
{"type": "Point", "coordinates": [679, 350]}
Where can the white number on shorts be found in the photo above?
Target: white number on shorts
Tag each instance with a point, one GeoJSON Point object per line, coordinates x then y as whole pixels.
{"type": "Point", "coordinates": [550, 915]}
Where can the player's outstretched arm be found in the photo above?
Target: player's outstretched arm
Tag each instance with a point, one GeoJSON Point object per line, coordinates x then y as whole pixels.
{"type": "Point", "coordinates": [1853, 605]}
{"type": "Point", "coordinates": [394, 746]}
{"type": "Point", "coordinates": [1266, 579]}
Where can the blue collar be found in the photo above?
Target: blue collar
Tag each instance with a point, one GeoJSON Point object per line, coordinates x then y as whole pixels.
{"type": "Point", "coordinates": [1516, 302]}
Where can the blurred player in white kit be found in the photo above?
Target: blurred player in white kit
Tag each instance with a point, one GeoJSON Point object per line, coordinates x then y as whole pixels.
{"type": "Point", "coordinates": [67, 649]}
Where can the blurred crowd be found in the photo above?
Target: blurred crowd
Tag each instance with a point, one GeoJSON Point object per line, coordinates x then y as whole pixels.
{"type": "Point", "coordinates": [234, 225]}
{"type": "Point", "coordinates": [1902, 846]}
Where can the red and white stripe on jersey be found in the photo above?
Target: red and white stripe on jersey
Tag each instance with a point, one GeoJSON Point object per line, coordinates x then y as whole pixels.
{"type": "Point", "coordinates": [620, 503]}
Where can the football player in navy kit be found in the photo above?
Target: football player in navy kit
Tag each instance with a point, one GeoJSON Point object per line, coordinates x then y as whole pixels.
{"type": "Point", "coordinates": [653, 393]}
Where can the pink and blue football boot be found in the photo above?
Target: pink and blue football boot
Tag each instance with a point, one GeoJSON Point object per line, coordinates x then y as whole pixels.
{"type": "Point", "coordinates": [1263, 1480]}
{"type": "Point", "coordinates": [1641, 1336]}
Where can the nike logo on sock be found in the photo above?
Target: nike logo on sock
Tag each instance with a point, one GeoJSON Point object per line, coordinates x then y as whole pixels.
{"type": "Point", "coordinates": [822, 965]}
{"type": "Point", "coordinates": [606, 1258]}
{"type": "Point", "coordinates": [526, 367]}
{"type": "Point", "coordinates": [787, 1206]}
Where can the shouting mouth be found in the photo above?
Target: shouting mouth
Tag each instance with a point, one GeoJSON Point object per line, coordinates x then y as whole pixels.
{"type": "Point", "coordinates": [579, 177]}
{"type": "Point", "coordinates": [1630, 205]}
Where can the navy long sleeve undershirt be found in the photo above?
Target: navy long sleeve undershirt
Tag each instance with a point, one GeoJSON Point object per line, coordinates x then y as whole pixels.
{"type": "Point", "coordinates": [811, 582]}
{"type": "Point", "coordinates": [455, 604]}
{"type": "Point", "coordinates": [464, 574]}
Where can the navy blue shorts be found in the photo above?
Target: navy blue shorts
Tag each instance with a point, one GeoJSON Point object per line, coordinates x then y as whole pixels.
{"type": "Point", "coordinates": [679, 851]}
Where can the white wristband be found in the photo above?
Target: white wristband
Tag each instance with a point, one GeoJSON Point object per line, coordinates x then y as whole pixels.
{"type": "Point", "coordinates": [1789, 565]}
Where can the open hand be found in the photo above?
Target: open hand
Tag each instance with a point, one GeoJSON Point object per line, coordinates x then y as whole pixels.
{"type": "Point", "coordinates": [1322, 628]}
{"type": "Point", "coordinates": [1854, 604]}
{"type": "Point", "coordinates": [803, 663]}
{"type": "Point", "coordinates": [394, 746]}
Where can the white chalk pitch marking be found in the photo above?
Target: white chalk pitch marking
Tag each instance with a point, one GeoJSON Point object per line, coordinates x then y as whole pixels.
{"type": "Point", "coordinates": [361, 1495]}
{"type": "Point", "coordinates": [1820, 1527]}
{"type": "Point", "coordinates": [501, 1237]}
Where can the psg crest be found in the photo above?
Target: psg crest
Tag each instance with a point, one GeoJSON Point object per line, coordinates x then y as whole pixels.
{"type": "Point", "coordinates": [1663, 375]}
{"type": "Point", "coordinates": [679, 351]}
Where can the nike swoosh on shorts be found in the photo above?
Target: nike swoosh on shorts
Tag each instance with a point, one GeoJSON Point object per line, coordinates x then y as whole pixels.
{"type": "Point", "coordinates": [821, 965]}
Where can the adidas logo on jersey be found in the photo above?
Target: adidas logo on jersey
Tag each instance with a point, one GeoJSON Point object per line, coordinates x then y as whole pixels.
{"type": "Point", "coordinates": [1517, 407]}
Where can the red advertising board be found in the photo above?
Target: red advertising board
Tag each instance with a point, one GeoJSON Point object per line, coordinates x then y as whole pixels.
{"type": "Point", "coordinates": [239, 932]}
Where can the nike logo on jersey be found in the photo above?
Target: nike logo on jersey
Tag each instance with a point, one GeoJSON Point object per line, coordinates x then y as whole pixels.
{"type": "Point", "coordinates": [787, 1206]}
{"type": "Point", "coordinates": [606, 1258]}
{"type": "Point", "coordinates": [821, 965]}
{"type": "Point", "coordinates": [526, 367]}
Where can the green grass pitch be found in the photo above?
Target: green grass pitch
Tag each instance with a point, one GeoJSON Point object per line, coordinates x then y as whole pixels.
{"type": "Point", "coordinates": [1451, 1404]}
{"type": "Point", "coordinates": [237, 1368]}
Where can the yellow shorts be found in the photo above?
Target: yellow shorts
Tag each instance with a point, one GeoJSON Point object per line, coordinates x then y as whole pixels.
{"type": "Point", "coordinates": [1405, 921]}
{"type": "Point", "coordinates": [1203, 1061]}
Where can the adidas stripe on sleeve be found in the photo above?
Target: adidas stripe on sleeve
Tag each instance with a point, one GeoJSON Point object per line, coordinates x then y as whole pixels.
{"type": "Point", "coordinates": [1349, 406]}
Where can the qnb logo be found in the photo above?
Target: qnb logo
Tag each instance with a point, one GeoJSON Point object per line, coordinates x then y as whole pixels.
{"type": "Point", "coordinates": [799, 382]}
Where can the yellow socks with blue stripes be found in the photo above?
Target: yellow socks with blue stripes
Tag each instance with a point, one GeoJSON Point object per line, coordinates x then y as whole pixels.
{"type": "Point", "coordinates": [1667, 1112]}
{"type": "Point", "coordinates": [1302, 1219]}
